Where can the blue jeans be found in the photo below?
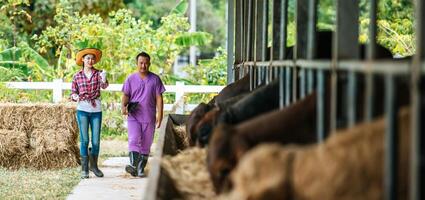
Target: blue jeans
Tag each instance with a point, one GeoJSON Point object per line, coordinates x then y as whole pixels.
{"type": "Point", "coordinates": [85, 119]}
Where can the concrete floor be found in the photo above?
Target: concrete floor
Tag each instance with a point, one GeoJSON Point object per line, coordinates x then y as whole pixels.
{"type": "Point", "coordinates": [116, 184]}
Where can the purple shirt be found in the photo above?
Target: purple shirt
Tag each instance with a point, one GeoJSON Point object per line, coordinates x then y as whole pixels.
{"type": "Point", "coordinates": [143, 91]}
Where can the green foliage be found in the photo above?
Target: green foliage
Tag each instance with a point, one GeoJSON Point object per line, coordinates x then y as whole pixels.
{"type": "Point", "coordinates": [12, 16]}
{"type": "Point", "coordinates": [10, 74]}
{"type": "Point", "coordinates": [180, 8]}
{"type": "Point", "coordinates": [208, 72]}
{"type": "Point", "coordinates": [89, 43]}
{"type": "Point", "coordinates": [113, 124]}
{"type": "Point", "coordinates": [193, 39]}
{"type": "Point", "coordinates": [31, 64]}
{"type": "Point", "coordinates": [8, 95]}
{"type": "Point", "coordinates": [122, 36]}
{"type": "Point", "coordinates": [326, 15]}
{"type": "Point", "coordinates": [395, 25]}
{"type": "Point", "coordinates": [210, 17]}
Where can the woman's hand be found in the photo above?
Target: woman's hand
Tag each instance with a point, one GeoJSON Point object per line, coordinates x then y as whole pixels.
{"type": "Point", "coordinates": [75, 97]}
{"type": "Point", "coordinates": [103, 76]}
{"type": "Point", "coordinates": [124, 110]}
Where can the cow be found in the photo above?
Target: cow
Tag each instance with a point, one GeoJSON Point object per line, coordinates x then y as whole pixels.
{"type": "Point", "coordinates": [197, 114]}
{"type": "Point", "coordinates": [348, 165]}
{"type": "Point", "coordinates": [238, 87]}
{"type": "Point", "coordinates": [262, 99]}
{"type": "Point", "coordinates": [203, 112]}
{"type": "Point", "coordinates": [293, 124]}
{"type": "Point", "coordinates": [234, 89]}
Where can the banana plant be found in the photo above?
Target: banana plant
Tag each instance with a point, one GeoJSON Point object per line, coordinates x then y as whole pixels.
{"type": "Point", "coordinates": [180, 8]}
{"type": "Point", "coordinates": [25, 59]}
{"type": "Point", "coordinates": [188, 39]}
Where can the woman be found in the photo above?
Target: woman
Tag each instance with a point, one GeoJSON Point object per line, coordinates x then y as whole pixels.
{"type": "Point", "coordinates": [86, 86]}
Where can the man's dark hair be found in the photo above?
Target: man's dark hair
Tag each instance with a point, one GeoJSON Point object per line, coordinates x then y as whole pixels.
{"type": "Point", "coordinates": [143, 54]}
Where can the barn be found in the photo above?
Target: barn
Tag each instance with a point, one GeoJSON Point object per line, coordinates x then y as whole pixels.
{"type": "Point", "coordinates": [337, 102]}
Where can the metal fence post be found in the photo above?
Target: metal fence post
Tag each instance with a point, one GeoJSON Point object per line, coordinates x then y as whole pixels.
{"type": "Point", "coordinates": [57, 90]}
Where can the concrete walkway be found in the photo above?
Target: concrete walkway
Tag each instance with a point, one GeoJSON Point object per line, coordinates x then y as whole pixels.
{"type": "Point", "coordinates": [116, 184]}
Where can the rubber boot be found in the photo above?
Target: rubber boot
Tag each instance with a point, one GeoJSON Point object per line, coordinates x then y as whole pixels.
{"type": "Point", "coordinates": [141, 165]}
{"type": "Point", "coordinates": [93, 166]}
{"type": "Point", "coordinates": [134, 159]}
{"type": "Point", "coordinates": [84, 167]}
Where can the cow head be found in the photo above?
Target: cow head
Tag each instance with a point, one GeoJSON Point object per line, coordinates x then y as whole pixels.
{"type": "Point", "coordinates": [195, 116]}
{"type": "Point", "coordinates": [224, 149]}
{"type": "Point", "coordinates": [205, 126]}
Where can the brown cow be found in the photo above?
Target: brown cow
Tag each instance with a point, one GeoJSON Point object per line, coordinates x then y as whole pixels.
{"type": "Point", "coordinates": [293, 124]}
{"type": "Point", "coordinates": [349, 165]}
{"type": "Point", "coordinates": [234, 89]}
{"type": "Point", "coordinates": [261, 100]}
{"type": "Point", "coordinates": [194, 117]}
{"type": "Point", "coordinates": [238, 87]}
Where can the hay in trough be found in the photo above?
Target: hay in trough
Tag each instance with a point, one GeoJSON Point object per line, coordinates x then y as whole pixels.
{"type": "Point", "coordinates": [188, 169]}
{"type": "Point", "coordinates": [182, 138]}
{"type": "Point", "coordinates": [40, 136]}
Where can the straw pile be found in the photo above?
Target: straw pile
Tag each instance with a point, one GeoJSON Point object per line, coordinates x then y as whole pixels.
{"type": "Point", "coordinates": [189, 171]}
{"type": "Point", "coordinates": [40, 136]}
{"type": "Point", "coordinates": [182, 138]}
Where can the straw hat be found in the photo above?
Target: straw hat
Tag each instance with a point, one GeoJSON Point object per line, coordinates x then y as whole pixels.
{"type": "Point", "coordinates": [96, 52]}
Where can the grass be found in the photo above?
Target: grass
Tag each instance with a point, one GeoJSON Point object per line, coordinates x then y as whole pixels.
{"type": "Point", "coordinates": [34, 184]}
{"type": "Point", "coordinates": [113, 148]}
{"type": "Point", "coordinates": [51, 184]}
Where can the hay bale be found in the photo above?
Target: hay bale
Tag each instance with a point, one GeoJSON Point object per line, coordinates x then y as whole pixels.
{"type": "Point", "coordinates": [44, 161]}
{"type": "Point", "coordinates": [40, 115]}
{"type": "Point", "coordinates": [12, 142]}
{"type": "Point", "coordinates": [52, 140]}
{"type": "Point", "coordinates": [51, 116]}
{"type": "Point", "coordinates": [40, 136]}
{"type": "Point", "coordinates": [189, 172]}
{"type": "Point", "coordinates": [12, 117]}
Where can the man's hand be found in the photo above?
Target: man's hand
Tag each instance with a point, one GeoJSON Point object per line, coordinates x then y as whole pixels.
{"type": "Point", "coordinates": [158, 121]}
{"type": "Point", "coordinates": [124, 104]}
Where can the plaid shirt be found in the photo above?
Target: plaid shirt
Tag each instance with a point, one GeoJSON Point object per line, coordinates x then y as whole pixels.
{"type": "Point", "coordinates": [88, 89]}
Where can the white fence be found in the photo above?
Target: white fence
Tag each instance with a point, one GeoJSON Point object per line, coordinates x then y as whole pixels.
{"type": "Point", "coordinates": [179, 89]}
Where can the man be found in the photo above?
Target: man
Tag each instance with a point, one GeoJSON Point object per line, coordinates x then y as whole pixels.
{"type": "Point", "coordinates": [143, 103]}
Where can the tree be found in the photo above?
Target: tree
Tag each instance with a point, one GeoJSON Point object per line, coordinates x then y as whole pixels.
{"type": "Point", "coordinates": [210, 17]}
{"type": "Point", "coordinates": [122, 36]}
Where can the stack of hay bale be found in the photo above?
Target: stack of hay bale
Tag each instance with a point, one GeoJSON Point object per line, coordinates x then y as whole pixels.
{"type": "Point", "coordinates": [40, 136]}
